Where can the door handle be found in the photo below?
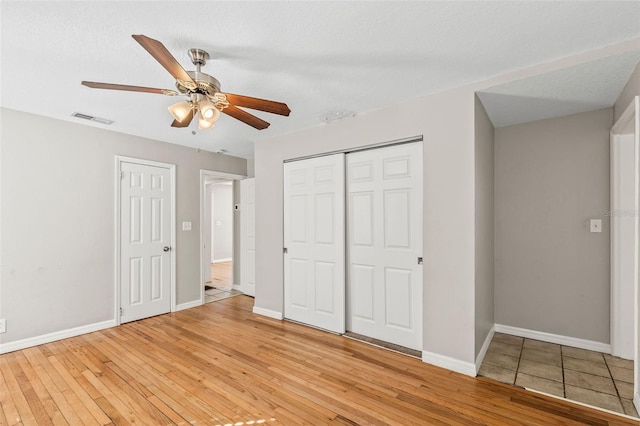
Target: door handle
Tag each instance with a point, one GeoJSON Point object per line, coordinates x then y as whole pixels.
{"type": "Point", "coordinates": [420, 261]}
{"type": "Point", "coordinates": [166, 248]}
{"type": "Point", "coordinates": [285, 250]}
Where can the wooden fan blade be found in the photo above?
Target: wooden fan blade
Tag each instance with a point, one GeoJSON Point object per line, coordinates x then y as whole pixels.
{"type": "Point", "coordinates": [259, 104]}
{"type": "Point", "coordinates": [245, 117]}
{"type": "Point", "coordinates": [185, 122]}
{"type": "Point", "coordinates": [162, 55]}
{"type": "Point", "coordinates": [111, 86]}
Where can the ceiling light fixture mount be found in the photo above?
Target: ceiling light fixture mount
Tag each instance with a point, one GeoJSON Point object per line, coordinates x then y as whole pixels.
{"type": "Point", "coordinates": [336, 115]}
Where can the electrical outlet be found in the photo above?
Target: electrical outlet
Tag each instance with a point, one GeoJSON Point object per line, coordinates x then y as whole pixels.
{"type": "Point", "coordinates": [3, 325]}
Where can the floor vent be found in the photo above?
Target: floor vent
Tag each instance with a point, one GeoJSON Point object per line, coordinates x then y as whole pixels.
{"type": "Point", "coordinates": [385, 345]}
{"type": "Point", "coordinates": [92, 118]}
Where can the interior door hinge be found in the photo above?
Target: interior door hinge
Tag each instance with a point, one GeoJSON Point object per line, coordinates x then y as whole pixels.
{"type": "Point", "coordinates": [121, 311]}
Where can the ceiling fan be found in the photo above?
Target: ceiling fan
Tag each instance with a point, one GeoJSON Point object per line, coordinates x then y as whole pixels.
{"type": "Point", "coordinates": [203, 90]}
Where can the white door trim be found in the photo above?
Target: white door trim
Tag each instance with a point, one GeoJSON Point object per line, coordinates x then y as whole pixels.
{"type": "Point", "coordinates": [204, 174]}
{"type": "Point", "coordinates": [247, 214]}
{"type": "Point", "coordinates": [119, 159]}
{"type": "Point", "coordinates": [411, 139]}
{"type": "Point", "coordinates": [622, 127]}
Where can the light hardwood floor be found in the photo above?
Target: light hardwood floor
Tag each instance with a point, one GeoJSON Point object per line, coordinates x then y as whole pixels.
{"type": "Point", "coordinates": [220, 364]}
{"type": "Point", "coordinates": [222, 274]}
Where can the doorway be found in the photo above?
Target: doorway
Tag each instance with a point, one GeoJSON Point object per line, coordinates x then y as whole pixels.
{"type": "Point", "coordinates": [219, 235]}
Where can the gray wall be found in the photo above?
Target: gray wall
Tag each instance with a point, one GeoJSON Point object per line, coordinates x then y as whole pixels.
{"type": "Point", "coordinates": [631, 89]}
{"type": "Point", "coordinates": [58, 220]}
{"type": "Point", "coordinates": [251, 163]}
{"type": "Point", "coordinates": [446, 120]}
{"type": "Point", "coordinates": [222, 213]}
{"type": "Point", "coordinates": [484, 155]}
{"type": "Point", "coordinates": [551, 273]}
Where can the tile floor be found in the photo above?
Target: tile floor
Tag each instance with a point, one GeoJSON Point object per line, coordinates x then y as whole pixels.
{"type": "Point", "coordinates": [214, 294]}
{"type": "Point", "coordinates": [585, 376]}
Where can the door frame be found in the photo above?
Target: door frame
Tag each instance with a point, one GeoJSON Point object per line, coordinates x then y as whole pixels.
{"type": "Point", "coordinates": [243, 245]}
{"type": "Point", "coordinates": [395, 142]}
{"type": "Point", "coordinates": [119, 159]}
{"type": "Point", "coordinates": [630, 114]}
{"type": "Point", "coordinates": [204, 174]}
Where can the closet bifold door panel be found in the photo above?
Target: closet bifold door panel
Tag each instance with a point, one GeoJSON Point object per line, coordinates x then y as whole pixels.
{"type": "Point", "coordinates": [384, 244]}
{"type": "Point", "coordinates": [314, 242]}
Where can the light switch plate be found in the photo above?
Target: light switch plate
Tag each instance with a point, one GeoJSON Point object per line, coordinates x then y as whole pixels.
{"type": "Point", "coordinates": [3, 325]}
{"type": "Point", "coordinates": [595, 225]}
{"type": "Point", "coordinates": [186, 226]}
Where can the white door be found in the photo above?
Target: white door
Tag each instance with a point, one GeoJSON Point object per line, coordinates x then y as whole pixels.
{"type": "Point", "coordinates": [207, 232]}
{"type": "Point", "coordinates": [384, 276]}
{"type": "Point", "coordinates": [248, 236]}
{"type": "Point", "coordinates": [145, 241]}
{"type": "Point", "coordinates": [314, 281]}
{"type": "Point", "coordinates": [623, 240]}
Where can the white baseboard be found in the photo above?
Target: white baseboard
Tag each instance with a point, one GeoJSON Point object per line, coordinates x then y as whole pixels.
{"type": "Point", "coordinates": [485, 346]}
{"type": "Point", "coordinates": [467, 368]}
{"type": "Point", "coordinates": [554, 338]}
{"type": "Point", "coordinates": [227, 259]}
{"type": "Point", "coordinates": [236, 287]}
{"type": "Point", "coordinates": [268, 313]}
{"type": "Point", "coordinates": [188, 305]}
{"type": "Point", "coordinates": [56, 335]}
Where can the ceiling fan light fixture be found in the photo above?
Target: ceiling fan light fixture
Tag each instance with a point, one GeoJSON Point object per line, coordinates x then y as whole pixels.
{"type": "Point", "coordinates": [203, 123]}
{"type": "Point", "coordinates": [180, 110]}
{"type": "Point", "coordinates": [208, 111]}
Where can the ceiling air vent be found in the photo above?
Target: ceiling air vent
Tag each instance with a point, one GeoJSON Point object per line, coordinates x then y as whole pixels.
{"type": "Point", "coordinates": [92, 118]}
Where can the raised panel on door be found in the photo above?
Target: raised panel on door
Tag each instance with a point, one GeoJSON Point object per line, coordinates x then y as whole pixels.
{"type": "Point", "coordinates": [384, 281]}
{"type": "Point", "coordinates": [248, 236]}
{"type": "Point", "coordinates": [145, 230]}
{"type": "Point", "coordinates": [314, 235]}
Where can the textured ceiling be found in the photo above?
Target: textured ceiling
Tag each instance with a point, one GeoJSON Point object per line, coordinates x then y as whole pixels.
{"type": "Point", "coordinates": [587, 87]}
{"type": "Point", "coordinates": [318, 57]}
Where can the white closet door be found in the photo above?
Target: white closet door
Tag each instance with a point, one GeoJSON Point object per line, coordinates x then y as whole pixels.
{"type": "Point", "coordinates": [384, 290]}
{"type": "Point", "coordinates": [248, 236]}
{"type": "Point", "coordinates": [314, 234]}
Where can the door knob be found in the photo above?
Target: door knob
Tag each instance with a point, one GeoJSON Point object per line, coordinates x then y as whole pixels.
{"type": "Point", "coordinates": [166, 248]}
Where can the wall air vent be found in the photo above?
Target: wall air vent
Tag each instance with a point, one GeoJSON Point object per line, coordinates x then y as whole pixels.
{"type": "Point", "coordinates": [92, 118]}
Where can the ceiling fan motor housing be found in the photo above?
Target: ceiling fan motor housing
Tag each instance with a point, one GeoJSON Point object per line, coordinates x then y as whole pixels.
{"type": "Point", "coordinates": [205, 84]}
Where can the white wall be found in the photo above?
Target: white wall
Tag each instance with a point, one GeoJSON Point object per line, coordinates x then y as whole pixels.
{"type": "Point", "coordinates": [484, 199]}
{"type": "Point", "coordinates": [58, 189]}
{"type": "Point", "coordinates": [222, 222]}
{"type": "Point", "coordinates": [551, 273]}
{"type": "Point", "coordinates": [251, 164]}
